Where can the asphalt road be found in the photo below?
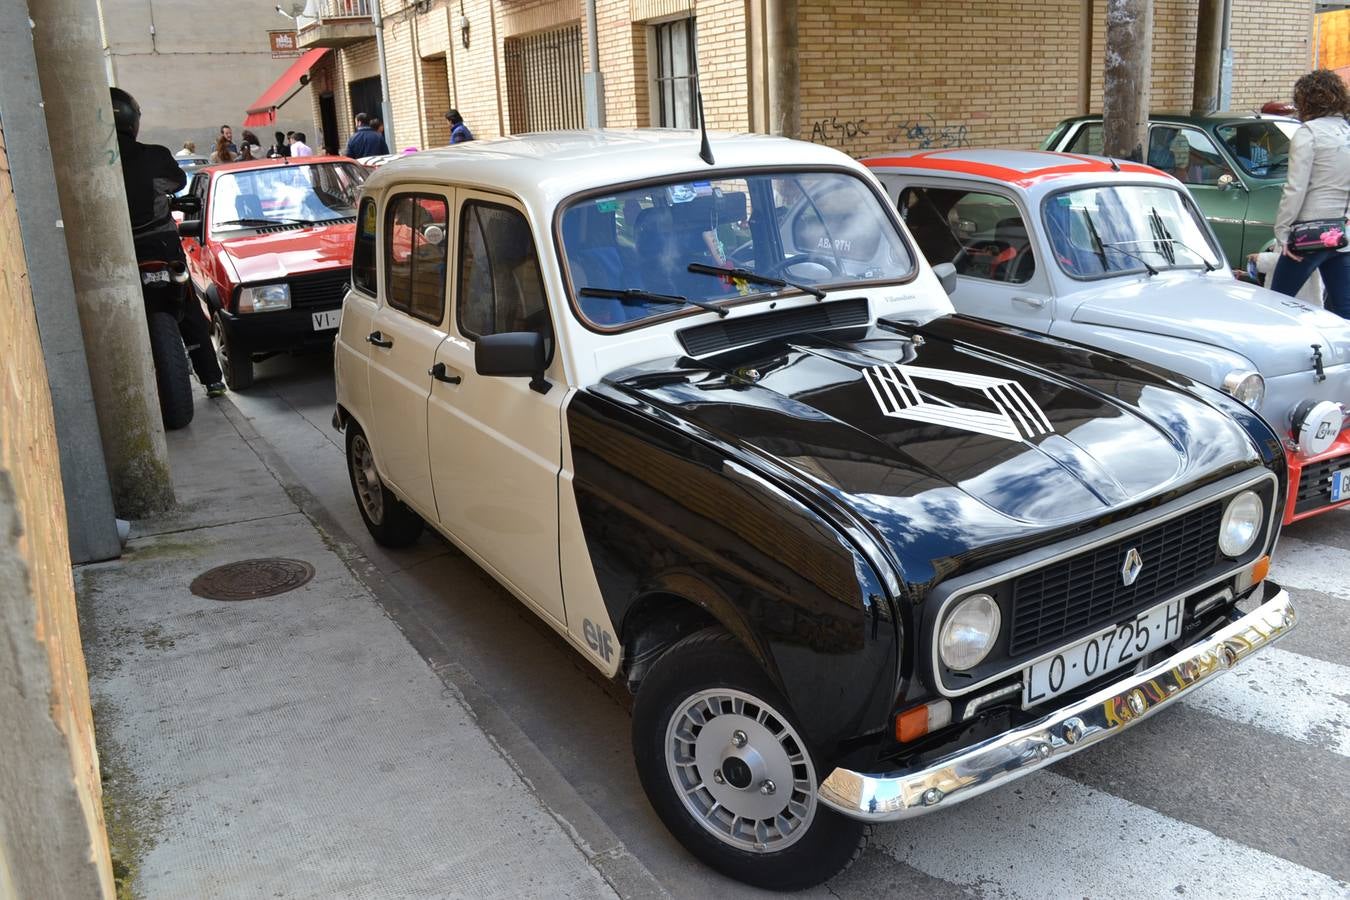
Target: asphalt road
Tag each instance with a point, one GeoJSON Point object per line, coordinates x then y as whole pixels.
{"type": "Point", "coordinates": [1244, 791]}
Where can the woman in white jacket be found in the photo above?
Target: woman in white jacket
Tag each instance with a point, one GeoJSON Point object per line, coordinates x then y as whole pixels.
{"type": "Point", "coordinates": [1318, 187]}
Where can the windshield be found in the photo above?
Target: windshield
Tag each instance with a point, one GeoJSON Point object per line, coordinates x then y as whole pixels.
{"type": "Point", "coordinates": [1107, 230]}
{"type": "Point", "coordinates": [1260, 146]}
{"type": "Point", "coordinates": [785, 231]}
{"type": "Point", "coordinates": [323, 192]}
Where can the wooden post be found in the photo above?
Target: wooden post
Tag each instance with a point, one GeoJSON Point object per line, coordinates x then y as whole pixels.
{"type": "Point", "coordinates": [1129, 44]}
{"type": "Point", "coordinates": [1208, 54]}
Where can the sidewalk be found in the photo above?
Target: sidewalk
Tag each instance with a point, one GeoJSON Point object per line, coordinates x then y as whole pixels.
{"type": "Point", "coordinates": [295, 745]}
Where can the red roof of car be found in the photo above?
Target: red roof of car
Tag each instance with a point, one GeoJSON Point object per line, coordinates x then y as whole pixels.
{"type": "Point", "coordinates": [273, 163]}
{"type": "Point", "coordinates": [1020, 167]}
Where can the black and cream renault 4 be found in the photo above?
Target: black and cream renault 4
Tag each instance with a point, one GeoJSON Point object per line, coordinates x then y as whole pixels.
{"type": "Point", "coordinates": [858, 558]}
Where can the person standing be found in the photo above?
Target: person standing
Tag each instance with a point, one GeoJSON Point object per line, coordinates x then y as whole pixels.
{"type": "Point", "coordinates": [228, 134]}
{"type": "Point", "coordinates": [1317, 188]}
{"type": "Point", "coordinates": [298, 145]}
{"type": "Point", "coordinates": [189, 149]}
{"type": "Point", "coordinates": [151, 175]}
{"type": "Point", "coordinates": [459, 132]}
{"type": "Point", "coordinates": [281, 148]}
{"type": "Point", "coordinates": [365, 141]}
{"type": "Point", "coordinates": [222, 153]}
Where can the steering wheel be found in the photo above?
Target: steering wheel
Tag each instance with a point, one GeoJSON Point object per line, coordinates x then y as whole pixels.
{"type": "Point", "coordinates": [775, 270]}
{"type": "Point", "coordinates": [991, 249]}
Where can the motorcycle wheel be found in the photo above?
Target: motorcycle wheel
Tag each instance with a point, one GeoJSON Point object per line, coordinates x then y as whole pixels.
{"type": "Point", "coordinates": [172, 376]}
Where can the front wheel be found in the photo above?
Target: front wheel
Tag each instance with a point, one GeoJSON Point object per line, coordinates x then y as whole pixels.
{"type": "Point", "coordinates": [728, 772]}
{"type": "Point", "coordinates": [172, 378]}
{"type": "Point", "coordinates": [235, 364]}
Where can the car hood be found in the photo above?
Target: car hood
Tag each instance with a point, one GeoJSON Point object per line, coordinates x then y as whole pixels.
{"type": "Point", "coordinates": [1275, 332]}
{"type": "Point", "coordinates": [943, 446]}
{"type": "Point", "coordinates": [294, 251]}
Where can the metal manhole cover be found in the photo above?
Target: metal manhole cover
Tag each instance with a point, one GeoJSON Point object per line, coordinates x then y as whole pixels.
{"type": "Point", "coordinates": [250, 579]}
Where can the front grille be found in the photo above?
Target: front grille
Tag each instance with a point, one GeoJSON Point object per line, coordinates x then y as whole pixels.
{"type": "Point", "coordinates": [1314, 485]}
{"type": "Point", "coordinates": [1070, 596]}
{"type": "Point", "coordinates": [716, 336]}
{"type": "Point", "coordinates": [325, 289]}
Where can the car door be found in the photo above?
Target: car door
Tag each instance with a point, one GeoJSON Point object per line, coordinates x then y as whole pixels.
{"type": "Point", "coordinates": [496, 443]}
{"type": "Point", "coordinates": [1195, 160]}
{"type": "Point", "coordinates": [351, 350]}
{"type": "Point", "coordinates": [408, 326]}
{"type": "Point", "coordinates": [193, 247]}
{"type": "Point", "coordinates": [984, 234]}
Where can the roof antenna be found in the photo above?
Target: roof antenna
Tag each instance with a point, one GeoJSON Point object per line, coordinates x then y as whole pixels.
{"type": "Point", "coordinates": [1115, 167]}
{"type": "Point", "coordinates": [704, 149]}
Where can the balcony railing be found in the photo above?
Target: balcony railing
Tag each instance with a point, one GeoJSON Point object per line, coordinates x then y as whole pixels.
{"type": "Point", "coordinates": [334, 23]}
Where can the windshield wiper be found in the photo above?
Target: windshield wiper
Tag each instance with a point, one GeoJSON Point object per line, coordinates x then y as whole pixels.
{"type": "Point", "coordinates": [256, 221]}
{"type": "Point", "coordinates": [1130, 253]}
{"type": "Point", "coordinates": [1102, 246]}
{"type": "Point", "coordinates": [1163, 235]}
{"type": "Point", "coordinates": [753, 278]}
{"type": "Point", "coordinates": [634, 297]}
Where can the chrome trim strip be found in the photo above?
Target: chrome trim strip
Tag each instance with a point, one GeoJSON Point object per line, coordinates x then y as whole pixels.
{"type": "Point", "coordinates": [1226, 488]}
{"type": "Point", "coordinates": [970, 772]}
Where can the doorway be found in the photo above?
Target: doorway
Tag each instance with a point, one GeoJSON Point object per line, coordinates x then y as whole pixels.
{"type": "Point", "coordinates": [366, 97]}
{"type": "Point", "coordinates": [328, 123]}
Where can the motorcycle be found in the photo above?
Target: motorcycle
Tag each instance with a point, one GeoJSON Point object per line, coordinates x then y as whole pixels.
{"type": "Point", "coordinates": [164, 287]}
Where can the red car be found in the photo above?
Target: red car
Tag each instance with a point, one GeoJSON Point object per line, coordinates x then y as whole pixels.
{"type": "Point", "coordinates": [269, 249]}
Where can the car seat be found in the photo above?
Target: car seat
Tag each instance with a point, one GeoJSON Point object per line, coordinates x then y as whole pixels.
{"type": "Point", "coordinates": [1015, 262]}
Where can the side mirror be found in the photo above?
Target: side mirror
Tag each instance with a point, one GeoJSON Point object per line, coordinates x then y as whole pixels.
{"type": "Point", "coordinates": [190, 228]}
{"type": "Point", "coordinates": [188, 205]}
{"type": "Point", "coordinates": [1227, 181]}
{"type": "Point", "coordinates": [946, 275]}
{"type": "Point", "coordinates": [513, 354]}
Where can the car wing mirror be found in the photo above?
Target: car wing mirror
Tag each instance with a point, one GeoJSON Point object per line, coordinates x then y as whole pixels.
{"type": "Point", "coordinates": [946, 276]}
{"type": "Point", "coordinates": [513, 354]}
{"type": "Point", "coordinates": [1228, 181]}
{"type": "Point", "coordinates": [190, 228]}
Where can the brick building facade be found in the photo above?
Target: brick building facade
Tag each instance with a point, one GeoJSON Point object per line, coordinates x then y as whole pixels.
{"type": "Point", "coordinates": [873, 76]}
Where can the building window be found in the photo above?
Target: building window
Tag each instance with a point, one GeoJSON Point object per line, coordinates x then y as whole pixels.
{"type": "Point", "coordinates": [676, 73]}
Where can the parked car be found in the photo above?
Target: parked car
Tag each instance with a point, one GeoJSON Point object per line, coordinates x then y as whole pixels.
{"type": "Point", "coordinates": [1135, 272]}
{"type": "Point", "coordinates": [857, 557]}
{"type": "Point", "coordinates": [269, 252]}
{"type": "Point", "coordinates": [1234, 166]}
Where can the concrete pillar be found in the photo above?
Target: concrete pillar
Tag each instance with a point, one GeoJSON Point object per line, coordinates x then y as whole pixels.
{"type": "Point", "coordinates": [88, 498]}
{"type": "Point", "coordinates": [1129, 44]}
{"type": "Point", "coordinates": [780, 21]}
{"type": "Point", "coordinates": [1208, 57]}
{"type": "Point", "coordinates": [102, 257]}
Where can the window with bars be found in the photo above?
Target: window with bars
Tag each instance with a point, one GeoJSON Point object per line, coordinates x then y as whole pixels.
{"type": "Point", "coordinates": [676, 71]}
{"type": "Point", "coordinates": [543, 80]}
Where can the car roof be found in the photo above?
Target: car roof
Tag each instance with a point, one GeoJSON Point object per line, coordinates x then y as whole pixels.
{"type": "Point", "coordinates": [279, 161]}
{"type": "Point", "coordinates": [549, 166]}
{"type": "Point", "coordinates": [1213, 118]}
{"type": "Point", "coordinates": [1024, 168]}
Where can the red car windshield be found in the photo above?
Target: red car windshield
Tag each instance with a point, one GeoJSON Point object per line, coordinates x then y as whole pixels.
{"type": "Point", "coordinates": [277, 195]}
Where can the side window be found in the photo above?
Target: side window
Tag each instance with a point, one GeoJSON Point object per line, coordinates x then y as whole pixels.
{"type": "Point", "coordinates": [1186, 153]}
{"type": "Point", "coordinates": [415, 255]}
{"type": "Point", "coordinates": [363, 254]}
{"type": "Point", "coordinates": [500, 286]}
{"type": "Point", "coordinates": [982, 234]}
{"type": "Point", "coordinates": [1088, 140]}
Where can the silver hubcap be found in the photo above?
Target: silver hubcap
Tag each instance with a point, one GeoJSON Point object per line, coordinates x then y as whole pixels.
{"type": "Point", "coordinates": [368, 488]}
{"type": "Point", "coordinates": [741, 770]}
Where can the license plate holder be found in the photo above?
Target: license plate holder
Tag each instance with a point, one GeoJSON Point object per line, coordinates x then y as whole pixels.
{"type": "Point", "coordinates": [326, 319]}
{"type": "Point", "coordinates": [1108, 649]}
{"type": "Point", "coordinates": [1340, 485]}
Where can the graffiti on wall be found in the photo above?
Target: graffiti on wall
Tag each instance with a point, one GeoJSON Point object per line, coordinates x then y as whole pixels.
{"type": "Point", "coordinates": [921, 132]}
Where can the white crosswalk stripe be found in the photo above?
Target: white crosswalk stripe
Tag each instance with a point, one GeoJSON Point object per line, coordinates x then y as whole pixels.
{"type": "Point", "coordinates": [1050, 836]}
{"type": "Point", "coordinates": [1290, 694]}
{"type": "Point", "coordinates": [1304, 565]}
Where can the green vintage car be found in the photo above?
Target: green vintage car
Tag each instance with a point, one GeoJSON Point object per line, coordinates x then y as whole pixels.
{"type": "Point", "coordinates": [1234, 165]}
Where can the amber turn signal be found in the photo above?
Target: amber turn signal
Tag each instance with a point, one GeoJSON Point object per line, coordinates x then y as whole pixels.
{"type": "Point", "coordinates": [1260, 569]}
{"type": "Point", "coordinates": [913, 724]}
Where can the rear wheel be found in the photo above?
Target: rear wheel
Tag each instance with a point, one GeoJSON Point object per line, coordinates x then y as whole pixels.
{"type": "Point", "coordinates": [235, 365]}
{"type": "Point", "coordinates": [728, 772]}
{"type": "Point", "coordinates": [172, 376]}
{"type": "Point", "coordinates": [388, 519]}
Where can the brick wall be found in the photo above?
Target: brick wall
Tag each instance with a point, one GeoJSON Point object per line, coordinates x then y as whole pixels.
{"type": "Point", "coordinates": [52, 840]}
{"type": "Point", "coordinates": [1272, 47]}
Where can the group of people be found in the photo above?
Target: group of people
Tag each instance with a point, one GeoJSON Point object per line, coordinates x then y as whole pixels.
{"type": "Point", "coordinates": [286, 144]}
{"type": "Point", "coordinates": [368, 138]}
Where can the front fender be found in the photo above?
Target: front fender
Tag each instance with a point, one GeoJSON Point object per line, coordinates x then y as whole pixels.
{"type": "Point", "coordinates": [1202, 362]}
{"type": "Point", "coordinates": [664, 510]}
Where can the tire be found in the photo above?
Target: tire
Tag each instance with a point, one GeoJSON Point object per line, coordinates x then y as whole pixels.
{"type": "Point", "coordinates": [388, 519]}
{"type": "Point", "coordinates": [236, 367]}
{"type": "Point", "coordinates": [676, 742]}
{"type": "Point", "coordinates": [172, 376]}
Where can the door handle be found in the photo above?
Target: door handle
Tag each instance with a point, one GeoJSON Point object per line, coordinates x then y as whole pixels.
{"type": "Point", "coordinates": [378, 340]}
{"type": "Point", "coordinates": [1033, 302]}
{"type": "Point", "coordinates": [438, 372]}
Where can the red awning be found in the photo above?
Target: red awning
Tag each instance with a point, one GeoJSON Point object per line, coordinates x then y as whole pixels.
{"type": "Point", "coordinates": [264, 109]}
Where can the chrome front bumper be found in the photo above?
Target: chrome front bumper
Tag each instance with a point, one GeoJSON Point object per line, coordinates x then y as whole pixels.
{"type": "Point", "coordinates": [998, 760]}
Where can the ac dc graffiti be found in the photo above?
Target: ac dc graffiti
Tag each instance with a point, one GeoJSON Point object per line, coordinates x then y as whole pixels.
{"type": "Point", "coordinates": [921, 132]}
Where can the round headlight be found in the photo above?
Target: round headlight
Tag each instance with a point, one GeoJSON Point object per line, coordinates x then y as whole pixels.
{"type": "Point", "coordinates": [969, 632]}
{"type": "Point", "coordinates": [1241, 524]}
{"type": "Point", "coordinates": [1247, 386]}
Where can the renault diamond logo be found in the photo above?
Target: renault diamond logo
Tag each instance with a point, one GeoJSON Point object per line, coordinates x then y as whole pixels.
{"type": "Point", "coordinates": [1134, 564]}
{"type": "Point", "coordinates": [1016, 415]}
